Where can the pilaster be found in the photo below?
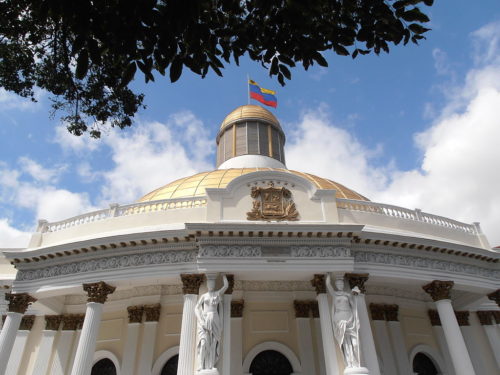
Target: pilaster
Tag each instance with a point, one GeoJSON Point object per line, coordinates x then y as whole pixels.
{"type": "Point", "coordinates": [151, 318]}
{"type": "Point", "coordinates": [302, 317]}
{"type": "Point", "coordinates": [382, 338]}
{"type": "Point", "coordinates": [237, 337]}
{"type": "Point", "coordinates": [487, 321]}
{"type": "Point", "coordinates": [135, 314]}
{"type": "Point", "coordinates": [52, 323]}
{"type": "Point", "coordinates": [226, 332]}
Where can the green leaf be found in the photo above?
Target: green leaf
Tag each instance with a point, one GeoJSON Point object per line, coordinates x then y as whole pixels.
{"type": "Point", "coordinates": [418, 29]}
{"type": "Point", "coordinates": [82, 64]}
{"type": "Point", "coordinates": [129, 73]}
{"type": "Point", "coordinates": [285, 71]}
{"type": "Point", "coordinates": [274, 67]}
{"type": "Point", "coordinates": [320, 59]}
{"type": "Point", "coordinates": [176, 69]}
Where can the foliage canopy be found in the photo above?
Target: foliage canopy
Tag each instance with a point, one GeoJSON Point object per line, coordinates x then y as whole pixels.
{"type": "Point", "coordinates": [86, 52]}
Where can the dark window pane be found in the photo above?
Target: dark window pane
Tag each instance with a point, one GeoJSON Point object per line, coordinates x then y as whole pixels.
{"type": "Point", "coordinates": [170, 367]}
{"type": "Point", "coordinates": [270, 362]}
{"type": "Point", "coordinates": [104, 367]}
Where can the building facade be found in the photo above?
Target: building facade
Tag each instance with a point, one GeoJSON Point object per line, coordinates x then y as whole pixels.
{"type": "Point", "coordinates": [115, 291]}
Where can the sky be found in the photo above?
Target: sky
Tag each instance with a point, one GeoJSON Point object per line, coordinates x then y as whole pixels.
{"type": "Point", "coordinates": [418, 127]}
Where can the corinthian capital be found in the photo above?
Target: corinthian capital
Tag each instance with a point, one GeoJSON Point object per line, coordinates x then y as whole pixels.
{"type": "Point", "coordinates": [19, 302]}
{"type": "Point", "coordinates": [357, 279]}
{"type": "Point", "coordinates": [318, 282]}
{"type": "Point", "coordinates": [98, 292]}
{"type": "Point", "coordinates": [439, 290]}
{"type": "Point", "coordinates": [495, 296]}
{"type": "Point", "coordinates": [191, 283]}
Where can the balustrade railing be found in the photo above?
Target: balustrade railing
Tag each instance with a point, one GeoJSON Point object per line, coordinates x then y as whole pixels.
{"type": "Point", "coordinates": [404, 213]}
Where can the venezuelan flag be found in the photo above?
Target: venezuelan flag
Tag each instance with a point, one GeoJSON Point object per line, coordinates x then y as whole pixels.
{"type": "Point", "coordinates": [264, 96]}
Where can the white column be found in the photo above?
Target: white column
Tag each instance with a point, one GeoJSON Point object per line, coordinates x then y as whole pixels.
{"type": "Point", "coordinates": [147, 348]}
{"type": "Point", "coordinates": [17, 352]}
{"type": "Point", "coordinates": [368, 351]}
{"type": "Point", "coordinates": [399, 346]}
{"type": "Point", "coordinates": [319, 344]}
{"type": "Point", "coordinates": [131, 341]}
{"type": "Point", "coordinates": [384, 345]}
{"type": "Point", "coordinates": [8, 337]}
{"type": "Point", "coordinates": [331, 362]}
{"type": "Point", "coordinates": [44, 352]}
{"type": "Point", "coordinates": [443, 347]}
{"type": "Point", "coordinates": [226, 332]}
{"type": "Point", "coordinates": [86, 345]}
{"type": "Point", "coordinates": [305, 345]}
{"type": "Point", "coordinates": [236, 338]}
{"type": "Point", "coordinates": [62, 352]}
{"type": "Point", "coordinates": [491, 330]}
{"type": "Point", "coordinates": [188, 336]}
{"type": "Point", "coordinates": [454, 339]}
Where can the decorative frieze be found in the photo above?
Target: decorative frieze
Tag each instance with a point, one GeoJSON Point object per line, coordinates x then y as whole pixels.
{"type": "Point", "coordinates": [318, 282]}
{"type": "Point", "coordinates": [495, 296]}
{"type": "Point", "coordinates": [230, 280]}
{"type": "Point", "coordinates": [391, 313]}
{"type": "Point", "coordinates": [72, 322]}
{"type": "Point", "coordinates": [315, 309]}
{"type": "Point", "coordinates": [272, 286]}
{"type": "Point", "coordinates": [424, 263]}
{"type": "Point", "coordinates": [191, 283]}
{"type": "Point", "coordinates": [27, 322]}
{"type": "Point", "coordinates": [237, 308]}
{"type": "Point", "coordinates": [19, 302]}
{"type": "Point", "coordinates": [108, 263]}
{"type": "Point", "coordinates": [377, 311]}
{"type": "Point", "coordinates": [98, 292]}
{"type": "Point", "coordinates": [52, 322]}
{"type": "Point", "coordinates": [434, 317]}
{"type": "Point", "coordinates": [439, 289]}
{"type": "Point", "coordinates": [302, 308]}
{"type": "Point", "coordinates": [135, 314]}
{"type": "Point", "coordinates": [319, 251]}
{"type": "Point", "coordinates": [152, 312]}
{"type": "Point", "coordinates": [357, 279]}
{"type": "Point", "coordinates": [462, 318]}
{"type": "Point", "coordinates": [485, 317]}
{"type": "Point", "coordinates": [231, 251]}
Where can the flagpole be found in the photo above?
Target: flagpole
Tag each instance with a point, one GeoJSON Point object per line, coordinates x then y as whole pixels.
{"type": "Point", "coordinates": [248, 89]}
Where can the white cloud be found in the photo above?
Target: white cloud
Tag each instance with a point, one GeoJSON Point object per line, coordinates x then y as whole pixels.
{"type": "Point", "coordinates": [441, 63]}
{"type": "Point", "coordinates": [11, 237]}
{"type": "Point", "coordinates": [12, 101]}
{"type": "Point", "coordinates": [459, 174]}
{"type": "Point", "coordinates": [38, 172]}
{"type": "Point", "coordinates": [70, 142]}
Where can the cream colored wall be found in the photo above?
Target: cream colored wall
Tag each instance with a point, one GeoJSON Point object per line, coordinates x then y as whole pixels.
{"type": "Point", "coordinates": [169, 329]}
{"type": "Point", "coordinates": [32, 345]}
{"type": "Point", "coordinates": [268, 321]}
{"type": "Point", "coordinates": [417, 328]}
{"type": "Point", "coordinates": [7, 270]}
{"type": "Point", "coordinates": [113, 332]}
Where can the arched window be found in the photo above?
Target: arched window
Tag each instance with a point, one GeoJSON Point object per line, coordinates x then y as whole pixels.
{"type": "Point", "coordinates": [423, 365]}
{"type": "Point", "coordinates": [170, 367]}
{"type": "Point", "coordinates": [270, 362]}
{"type": "Point", "coordinates": [104, 367]}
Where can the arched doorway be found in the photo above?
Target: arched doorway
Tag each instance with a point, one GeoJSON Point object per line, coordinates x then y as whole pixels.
{"type": "Point", "coordinates": [170, 367]}
{"type": "Point", "coordinates": [270, 362]}
{"type": "Point", "coordinates": [104, 367]}
{"type": "Point", "coordinates": [423, 365]}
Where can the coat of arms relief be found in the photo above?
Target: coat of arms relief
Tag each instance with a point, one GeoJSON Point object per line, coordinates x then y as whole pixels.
{"type": "Point", "coordinates": [272, 203]}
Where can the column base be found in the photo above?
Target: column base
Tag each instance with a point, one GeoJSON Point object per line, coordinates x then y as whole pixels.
{"type": "Point", "coordinates": [356, 371]}
{"type": "Point", "coordinates": [213, 371]}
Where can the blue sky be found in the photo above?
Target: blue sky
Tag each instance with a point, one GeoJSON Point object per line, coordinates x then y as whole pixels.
{"type": "Point", "coordinates": [417, 127]}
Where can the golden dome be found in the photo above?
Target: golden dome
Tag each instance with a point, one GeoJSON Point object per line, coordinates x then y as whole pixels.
{"type": "Point", "coordinates": [250, 112]}
{"type": "Point", "coordinates": [194, 186]}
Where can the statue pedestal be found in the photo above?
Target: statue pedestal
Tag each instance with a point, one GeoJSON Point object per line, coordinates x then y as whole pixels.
{"type": "Point", "coordinates": [356, 371]}
{"type": "Point", "coordinates": [213, 371]}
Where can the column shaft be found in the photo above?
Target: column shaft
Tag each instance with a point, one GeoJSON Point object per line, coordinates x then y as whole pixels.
{"type": "Point", "coordinates": [62, 353]}
{"type": "Point", "coordinates": [236, 346]}
{"type": "Point", "coordinates": [306, 345]}
{"type": "Point", "coordinates": [384, 345]}
{"type": "Point", "coordinates": [130, 350]}
{"type": "Point", "coordinates": [454, 339]}
{"type": "Point", "coordinates": [399, 346]}
{"type": "Point", "coordinates": [187, 348]}
{"type": "Point", "coordinates": [44, 352]}
{"type": "Point", "coordinates": [319, 347]}
{"type": "Point", "coordinates": [443, 347]}
{"type": "Point", "coordinates": [147, 348]}
{"type": "Point", "coordinates": [368, 352]}
{"type": "Point", "coordinates": [226, 332]}
{"type": "Point", "coordinates": [8, 337]}
{"type": "Point", "coordinates": [331, 362]}
{"type": "Point", "coordinates": [17, 352]}
{"type": "Point", "coordinates": [86, 345]}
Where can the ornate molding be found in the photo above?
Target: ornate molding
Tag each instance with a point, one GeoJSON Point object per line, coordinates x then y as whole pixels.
{"type": "Point", "coordinates": [391, 313]}
{"type": "Point", "coordinates": [357, 279]}
{"type": "Point", "coordinates": [19, 302]}
{"type": "Point", "coordinates": [27, 322]}
{"type": "Point", "coordinates": [434, 317]}
{"type": "Point", "coordinates": [302, 308]}
{"type": "Point", "coordinates": [424, 263]}
{"type": "Point", "coordinates": [230, 288]}
{"type": "Point", "coordinates": [237, 308]}
{"type": "Point", "coordinates": [230, 251]}
{"type": "Point", "coordinates": [318, 282]}
{"type": "Point", "coordinates": [53, 322]}
{"type": "Point", "coordinates": [377, 311]}
{"type": "Point", "coordinates": [272, 203]}
{"type": "Point", "coordinates": [315, 309]}
{"type": "Point", "coordinates": [98, 292]}
{"type": "Point", "coordinates": [72, 322]}
{"type": "Point", "coordinates": [135, 314]}
{"type": "Point", "coordinates": [462, 318]}
{"type": "Point", "coordinates": [319, 251]}
{"type": "Point", "coordinates": [438, 289]}
{"type": "Point", "coordinates": [495, 296]}
{"type": "Point", "coordinates": [152, 312]}
{"type": "Point", "coordinates": [108, 263]}
{"type": "Point", "coordinates": [485, 317]}
{"type": "Point", "coordinates": [191, 283]}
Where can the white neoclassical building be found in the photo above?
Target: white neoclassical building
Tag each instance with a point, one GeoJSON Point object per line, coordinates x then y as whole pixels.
{"type": "Point", "coordinates": [117, 291]}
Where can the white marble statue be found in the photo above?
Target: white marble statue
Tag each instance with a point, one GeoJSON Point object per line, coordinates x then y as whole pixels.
{"type": "Point", "coordinates": [345, 321]}
{"type": "Point", "coordinates": [209, 312]}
